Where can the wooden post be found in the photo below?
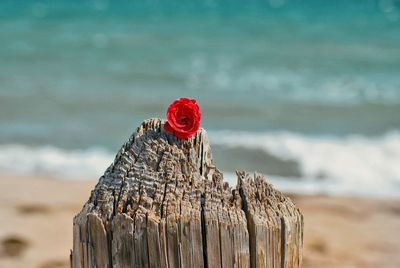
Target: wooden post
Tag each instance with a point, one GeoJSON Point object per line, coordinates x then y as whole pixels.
{"type": "Point", "coordinates": [163, 203]}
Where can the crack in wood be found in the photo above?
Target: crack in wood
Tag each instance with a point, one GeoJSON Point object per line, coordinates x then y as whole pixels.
{"type": "Point", "coordinates": [203, 233]}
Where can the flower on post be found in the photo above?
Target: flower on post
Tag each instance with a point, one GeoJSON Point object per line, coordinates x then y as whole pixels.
{"type": "Point", "coordinates": [183, 118]}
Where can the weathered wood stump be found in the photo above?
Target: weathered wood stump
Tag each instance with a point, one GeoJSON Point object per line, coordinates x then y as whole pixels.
{"type": "Point", "coordinates": [163, 203]}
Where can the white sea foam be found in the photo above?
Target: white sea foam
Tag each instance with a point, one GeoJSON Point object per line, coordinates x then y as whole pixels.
{"type": "Point", "coordinates": [353, 164]}
{"type": "Point", "coordinates": [347, 165]}
{"type": "Point", "coordinates": [68, 164]}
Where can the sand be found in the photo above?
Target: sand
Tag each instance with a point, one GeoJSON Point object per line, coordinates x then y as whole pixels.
{"type": "Point", "coordinates": [36, 225]}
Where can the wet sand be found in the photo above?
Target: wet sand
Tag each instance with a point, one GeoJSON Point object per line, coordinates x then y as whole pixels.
{"type": "Point", "coordinates": [36, 225]}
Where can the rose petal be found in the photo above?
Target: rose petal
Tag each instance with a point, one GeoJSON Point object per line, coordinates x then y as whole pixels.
{"type": "Point", "coordinates": [168, 127]}
{"type": "Point", "coordinates": [183, 118]}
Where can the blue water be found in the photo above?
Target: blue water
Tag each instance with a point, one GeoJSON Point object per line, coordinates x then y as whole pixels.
{"type": "Point", "coordinates": [78, 75]}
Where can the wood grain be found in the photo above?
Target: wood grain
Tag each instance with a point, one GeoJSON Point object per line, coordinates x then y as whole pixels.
{"type": "Point", "coordinates": [163, 203]}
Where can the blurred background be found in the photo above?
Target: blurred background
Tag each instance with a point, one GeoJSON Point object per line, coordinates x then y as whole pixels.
{"type": "Point", "coordinates": [305, 91]}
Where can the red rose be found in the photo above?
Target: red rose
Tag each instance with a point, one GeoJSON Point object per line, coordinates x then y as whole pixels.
{"type": "Point", "coordinates": [183, 118]}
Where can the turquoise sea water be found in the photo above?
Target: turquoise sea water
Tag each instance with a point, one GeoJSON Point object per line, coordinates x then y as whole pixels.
{"type": "Point", "coordinates": [304, 90]}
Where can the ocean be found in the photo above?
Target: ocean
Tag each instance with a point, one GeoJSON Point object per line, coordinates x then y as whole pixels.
{"type": "Point", "coordinates": [307, 92]}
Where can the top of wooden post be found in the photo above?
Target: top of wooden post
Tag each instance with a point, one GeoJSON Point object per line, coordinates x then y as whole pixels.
{"type": "Point", "coordinates": [163, 203]}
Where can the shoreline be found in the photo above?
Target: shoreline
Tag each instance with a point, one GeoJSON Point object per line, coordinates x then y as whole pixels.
{"type": "Point", "coordinates": [37, 213]}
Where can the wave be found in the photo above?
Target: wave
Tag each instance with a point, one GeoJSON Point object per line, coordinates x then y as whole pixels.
{"type": "Point", "coordinates": [50, 160]}
{"type": "Point", "coordinates": [335, 165]}
{"type": "Point", "coordinates": [353, 165]}
{"type": "Point", "coordinates": [293, 86]}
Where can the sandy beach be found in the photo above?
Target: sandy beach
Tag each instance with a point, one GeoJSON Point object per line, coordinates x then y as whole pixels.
{"type": "Point", "coordinates": [36, 225]}
{"type": "Point", "coordinates": [306, 92]}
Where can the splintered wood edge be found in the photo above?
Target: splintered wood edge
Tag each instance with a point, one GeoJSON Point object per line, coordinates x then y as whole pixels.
{"type": "Point", "coordinates": [163, 203]}
{"type": "Point", "coordinates": [272, 216]}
